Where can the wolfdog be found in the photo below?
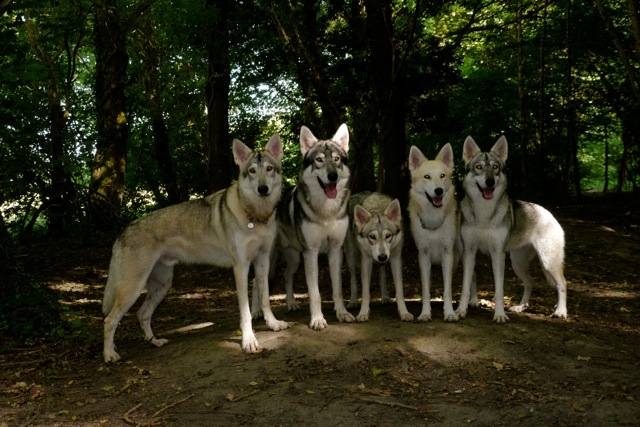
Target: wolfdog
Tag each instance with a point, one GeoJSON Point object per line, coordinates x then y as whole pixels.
{"type": "Point", "coordinates": [312, 219]}
{"type": "Point", "coordinates": [435, 223]}
{"type": "Point", "coordinates": [234, 227]}
{"type": "Point", "coordinates": [494, 224]}
{"type": "Point", "coordinates": [375, 234]}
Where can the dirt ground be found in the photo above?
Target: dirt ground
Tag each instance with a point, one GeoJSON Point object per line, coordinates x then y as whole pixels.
{"type": "Point", "coordinates": [534, 371]}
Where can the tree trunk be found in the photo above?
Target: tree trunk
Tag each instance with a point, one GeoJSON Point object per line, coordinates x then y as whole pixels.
{"type": "Point", "coordinates": [524, 149]}
{"type": "Point", "coordinates": [388, 81]}
{"type": "Point", "coordinates": [217, 96]}
{"type": "Point", "coordinates": [156, 110]}
{"type": "Point", "coordinates": [109, 166]}
{"type": "Point", "coordinates": [572, 134]}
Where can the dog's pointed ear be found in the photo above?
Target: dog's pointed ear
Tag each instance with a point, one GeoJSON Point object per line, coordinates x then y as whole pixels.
{"type": "Point", "coordinates": [415, 158]}
{"type": "Point", "coordinates": [501, 149]}
{"type": "Point", "coordinates": [393, 212]}
{"type": "Point", "coordinates": [240, 152]}
{"type": "Point", "coordinates": [307, 140]}
{"type": "Point", "coordinates": [342, 137]}
{"type": "Point", "coordinates": [446, 155]}
{"type": "Point", "coordinates": [274, 147]}
{"type": "Point", "coordinates": [360, 217]}
{"type": "Point", "coordinates": [469, 150]}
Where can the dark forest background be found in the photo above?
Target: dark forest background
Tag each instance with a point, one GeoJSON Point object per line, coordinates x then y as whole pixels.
{"type": "Point", "coordinates": [112, 108]}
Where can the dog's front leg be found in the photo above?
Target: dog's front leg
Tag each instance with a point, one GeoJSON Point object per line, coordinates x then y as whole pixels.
{"type": "Point", "coordinates": [447, 277]}
{"type": "Point", "coordinates": [366, 265]}
{"type": "Point", "coordinates": [249, 340]}
{"type": "Point", "coordinates": [468, 268]}
{"type": "Point", "coordinates": [318, 321]}
{"type": "Point", "coordinates": [396, 272]}
{"type": "Point", "coordinates": [424, 262]}
{"type": "Point", "coordinates": [261, 269]}
{"type": "Point", "coordinates": [497, 262]}
{"type": "Point", "coordinates": [335, 271]}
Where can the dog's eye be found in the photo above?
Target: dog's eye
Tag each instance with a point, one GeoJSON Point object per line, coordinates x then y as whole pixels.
{"type": "Point", "coordinates": [495, 167]}
{"type": "Point", "coordinates": [372, 237]}
{"type": "Point", "coordinates": [269, 168]}
{"type": "Point", "coordinates": [336, 159]}
{"type": "Point", "coordinates": [252, 170]}
{"type": "Point", "coordinates": [388, 236]}
{"type": "Point", "coordinates": [319, 159]}
{"type": "Point", "coordinates": [427, 176]}
{"type": "Point", "coordinates": [442, 176]}
{"type": "Point", "coordinates": [479, 167]}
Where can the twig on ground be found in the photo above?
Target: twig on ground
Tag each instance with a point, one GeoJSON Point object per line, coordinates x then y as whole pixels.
{"type": "Point", "coordinates": [382, 402]}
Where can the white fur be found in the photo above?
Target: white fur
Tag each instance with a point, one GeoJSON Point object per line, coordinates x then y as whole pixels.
{"type": "Point", "coordinates": [435, 227]}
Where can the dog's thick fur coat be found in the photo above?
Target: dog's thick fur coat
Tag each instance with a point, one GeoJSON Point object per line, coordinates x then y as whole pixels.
{"type": "Point", "coordinates": [494, 224]}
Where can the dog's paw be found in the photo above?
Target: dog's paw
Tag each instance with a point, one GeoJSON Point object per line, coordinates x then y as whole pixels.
{"type": "Point", "coordinates": [111, 356]}
{"type": "Point", "coordinates": [278, 325]}
{"type": "Point", "coordinates": [345, 317]}
{"type": "Point", "coordinates": [318, 324]}
{"type": "Point", "coordinates": [500, 319]}
{"type": "Point", "coordinates": [250, 344]}
{"type": "Point", "coordinates": [292, 305]}
{"type": "Point", "coordinates": [461, 313]}
{"type": "Point", "coordinates": [451, 317]}
{"type": "Point", "coordinates": [363, 317]}
{"type": "Point", "coordinates": [474, 302]}
{"type": "Point", "coordinates": [159, 342]}
{"type": "Point", "coordinates": [424, 317]}
{"type": "Point", "coordinates": [562, 314]}
{"type": "Point", "coordinates": [518, 308]}
{"type": "Point", "coordinates": [353, 304]}
{"type": "Point", "coordinates": [406, 317]}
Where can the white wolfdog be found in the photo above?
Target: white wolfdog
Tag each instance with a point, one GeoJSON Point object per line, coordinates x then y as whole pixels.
{"type": "Point", "coordinates": [312, 219]}
{"type": "Point", "coordinates": [435, 223]}
{"type": "Point", "coordinates": [375, 234]}
{"type": "Point", "coordinates": [234, 227]}
{"type": "Point", "coordinates": [494, 224]}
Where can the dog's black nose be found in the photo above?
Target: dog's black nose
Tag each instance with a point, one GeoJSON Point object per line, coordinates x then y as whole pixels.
{"type": "Point", "coordinates": [438, 191]}
{"type": "Point", "coordinates": [333, 176]}
{"type": "Point", "coordinates": [490, 182]}
{"type": "Point", "coordinates": [382, 257]}
{"type": "Point", "coordinates": [263, 189]}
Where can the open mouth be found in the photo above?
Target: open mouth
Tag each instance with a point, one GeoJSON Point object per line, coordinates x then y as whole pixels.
{"type": "Point", "coordinates": [487, 192]}
{"type": "Point", "coordinates": [435, 201]}
{"type": "Point", "coordinates": [330, 189]}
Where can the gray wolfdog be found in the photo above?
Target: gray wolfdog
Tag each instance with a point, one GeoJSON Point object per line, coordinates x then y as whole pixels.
{"type": "Point", "coordinates": [235, 227]}
{"type": "Point", "coordinates": [494, 224]}
{"type": "Point", "coordinates": [375, 234]}
{"type": "Point", "coordinates": [435, 223]}
{"type": "Point", "coordinates": [312, 219]}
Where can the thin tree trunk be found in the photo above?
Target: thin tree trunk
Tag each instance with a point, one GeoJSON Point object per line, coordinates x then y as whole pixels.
{"type": "Point", "coordinates": [521, 99]}
{"type": "Point", "coordinates": [572, 135]}
{"type": "Point", "coordinates": [156, 110]}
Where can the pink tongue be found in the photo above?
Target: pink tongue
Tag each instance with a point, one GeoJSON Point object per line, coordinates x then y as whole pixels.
{"type": "Point", "coordinates": [437, 201]}
{"type": "Point", "coordinates": [331, 191]}
{"type": "Point", "coordinates": [487, 193]}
